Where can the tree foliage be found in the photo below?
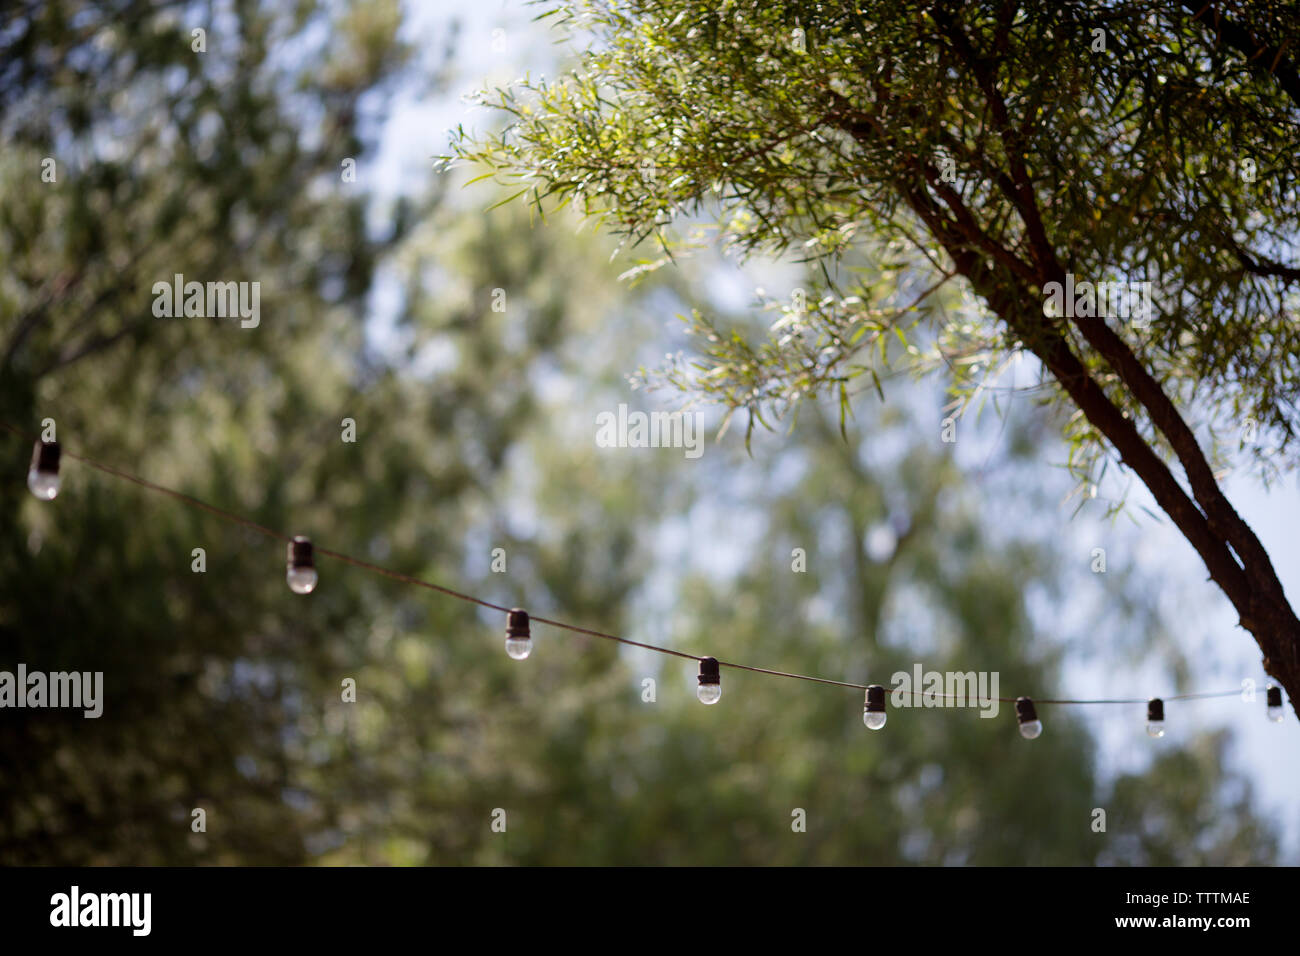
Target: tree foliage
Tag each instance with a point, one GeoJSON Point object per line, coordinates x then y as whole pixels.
{"type": "Point", "coordinates": [1008, 146]}
{"type": "Point", "coordinates": [223, 690]}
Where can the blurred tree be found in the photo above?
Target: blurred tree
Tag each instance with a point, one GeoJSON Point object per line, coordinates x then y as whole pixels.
{"type": "Point", "coordinates": [1162, 818]}
{"type": "Point", "coordinates": [136, 149]}
{"type": "Point", "coordinates": [223, 690]}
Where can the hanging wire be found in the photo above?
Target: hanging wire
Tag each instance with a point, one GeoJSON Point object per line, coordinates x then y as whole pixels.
{"type": "Point", "coordinates": [563, 625]}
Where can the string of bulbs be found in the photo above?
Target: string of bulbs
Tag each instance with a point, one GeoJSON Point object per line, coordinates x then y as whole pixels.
{"type": "Point", "coordinates": [43, 479]}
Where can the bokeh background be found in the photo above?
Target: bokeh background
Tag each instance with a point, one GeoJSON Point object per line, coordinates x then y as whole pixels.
{"type": "Point", "coordinates": [476, 430]}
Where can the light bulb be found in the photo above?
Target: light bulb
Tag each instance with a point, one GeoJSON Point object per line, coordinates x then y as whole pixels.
{"type": "Point", "coordinates": [43, 476]}
{"type": "Point", "coordinates": [1155, 717]}
{"type": "Point", "coordinates": [873, 710]}
{"type": "Point", "coordinates": [301, 573]}
{"type": "Point", "coordinates": [519, 641]}
{"type": "Point", "coordinates": [43, 484]}
{"type": "Point", "coordinates": [1030, 725]}
{"type": "Point", "coordinates": [1275, 704]}
{"type": "Point", "coordinates": [710, 689]}
{"type": "Point", "coordinates": [302, 580]}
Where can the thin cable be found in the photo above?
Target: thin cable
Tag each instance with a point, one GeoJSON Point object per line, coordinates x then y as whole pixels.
{"type": "Point", "coordinates": [178, 495]}
{"type": "Point", "coordinates": [623, 640]}
{"type": "Point", "coordinates": [815, 680]}
{"type": "Point", "coordinates": [563, 625]}
{"type": "Point", "coordinates": [339, 555]}
{"type": "Point", "coordinates": [1143, 700]}
{"type": "Point", "coordinates": [1203, 696]}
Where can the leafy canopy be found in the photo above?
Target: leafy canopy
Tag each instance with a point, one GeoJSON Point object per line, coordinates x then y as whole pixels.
{"type": "Point", "coordinates": [1131, 139]}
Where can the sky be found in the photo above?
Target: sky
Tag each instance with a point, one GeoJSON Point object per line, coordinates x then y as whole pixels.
{"type": "Point", "coordinates": [499, 42]}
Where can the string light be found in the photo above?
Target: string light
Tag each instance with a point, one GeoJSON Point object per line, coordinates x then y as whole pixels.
{"type": "Point", "coordinates": [710, 689]}
{"type": "Point", "coordinates": [519, 640]}
{"type": "Point", "coordinates": [301, 573]}
{"type": "Point", "coordinates": [873, 710]}
{"type": "Point", "coordinates": [1274, 695]}
{"type": "Point", "coordinates": [43, 479]}
{"type": "Point", "coordinates": [1155, 717]}
{"type": "Point", "coordinates": [1030, 725]}
{"type": "Point", "coordinates": [43, 476]}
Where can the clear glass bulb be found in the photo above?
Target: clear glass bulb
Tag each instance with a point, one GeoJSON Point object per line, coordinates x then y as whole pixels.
{"type": "Point", "coordinates": [302, 580]}
{"type": "Point", "coordinates": [709, 693]}
{"type": "Point", "coordinates": [1155, 728]}
{"type": "Point", "coordinates": [1031, 729]}
{"type": "Point", "coordinates": [43, 484]}
{"type": "Point", "coordinates": [1275, 714]}
{"type": "Point", "coordinates": [519, 647]}
{"type": "Point", "coordinates": [874, 719]}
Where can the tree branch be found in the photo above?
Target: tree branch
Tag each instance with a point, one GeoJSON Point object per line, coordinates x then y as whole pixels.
{"type": "Point", "coordinates": [1280, 67]}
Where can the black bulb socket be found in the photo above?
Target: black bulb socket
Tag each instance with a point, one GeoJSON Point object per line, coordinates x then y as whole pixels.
{"type": "Point", "coordinates": [517, 624]}
{"type": "Point", "coordinates": [45, 457]}
{"type": "Point", "coordinates": [300, 553]}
